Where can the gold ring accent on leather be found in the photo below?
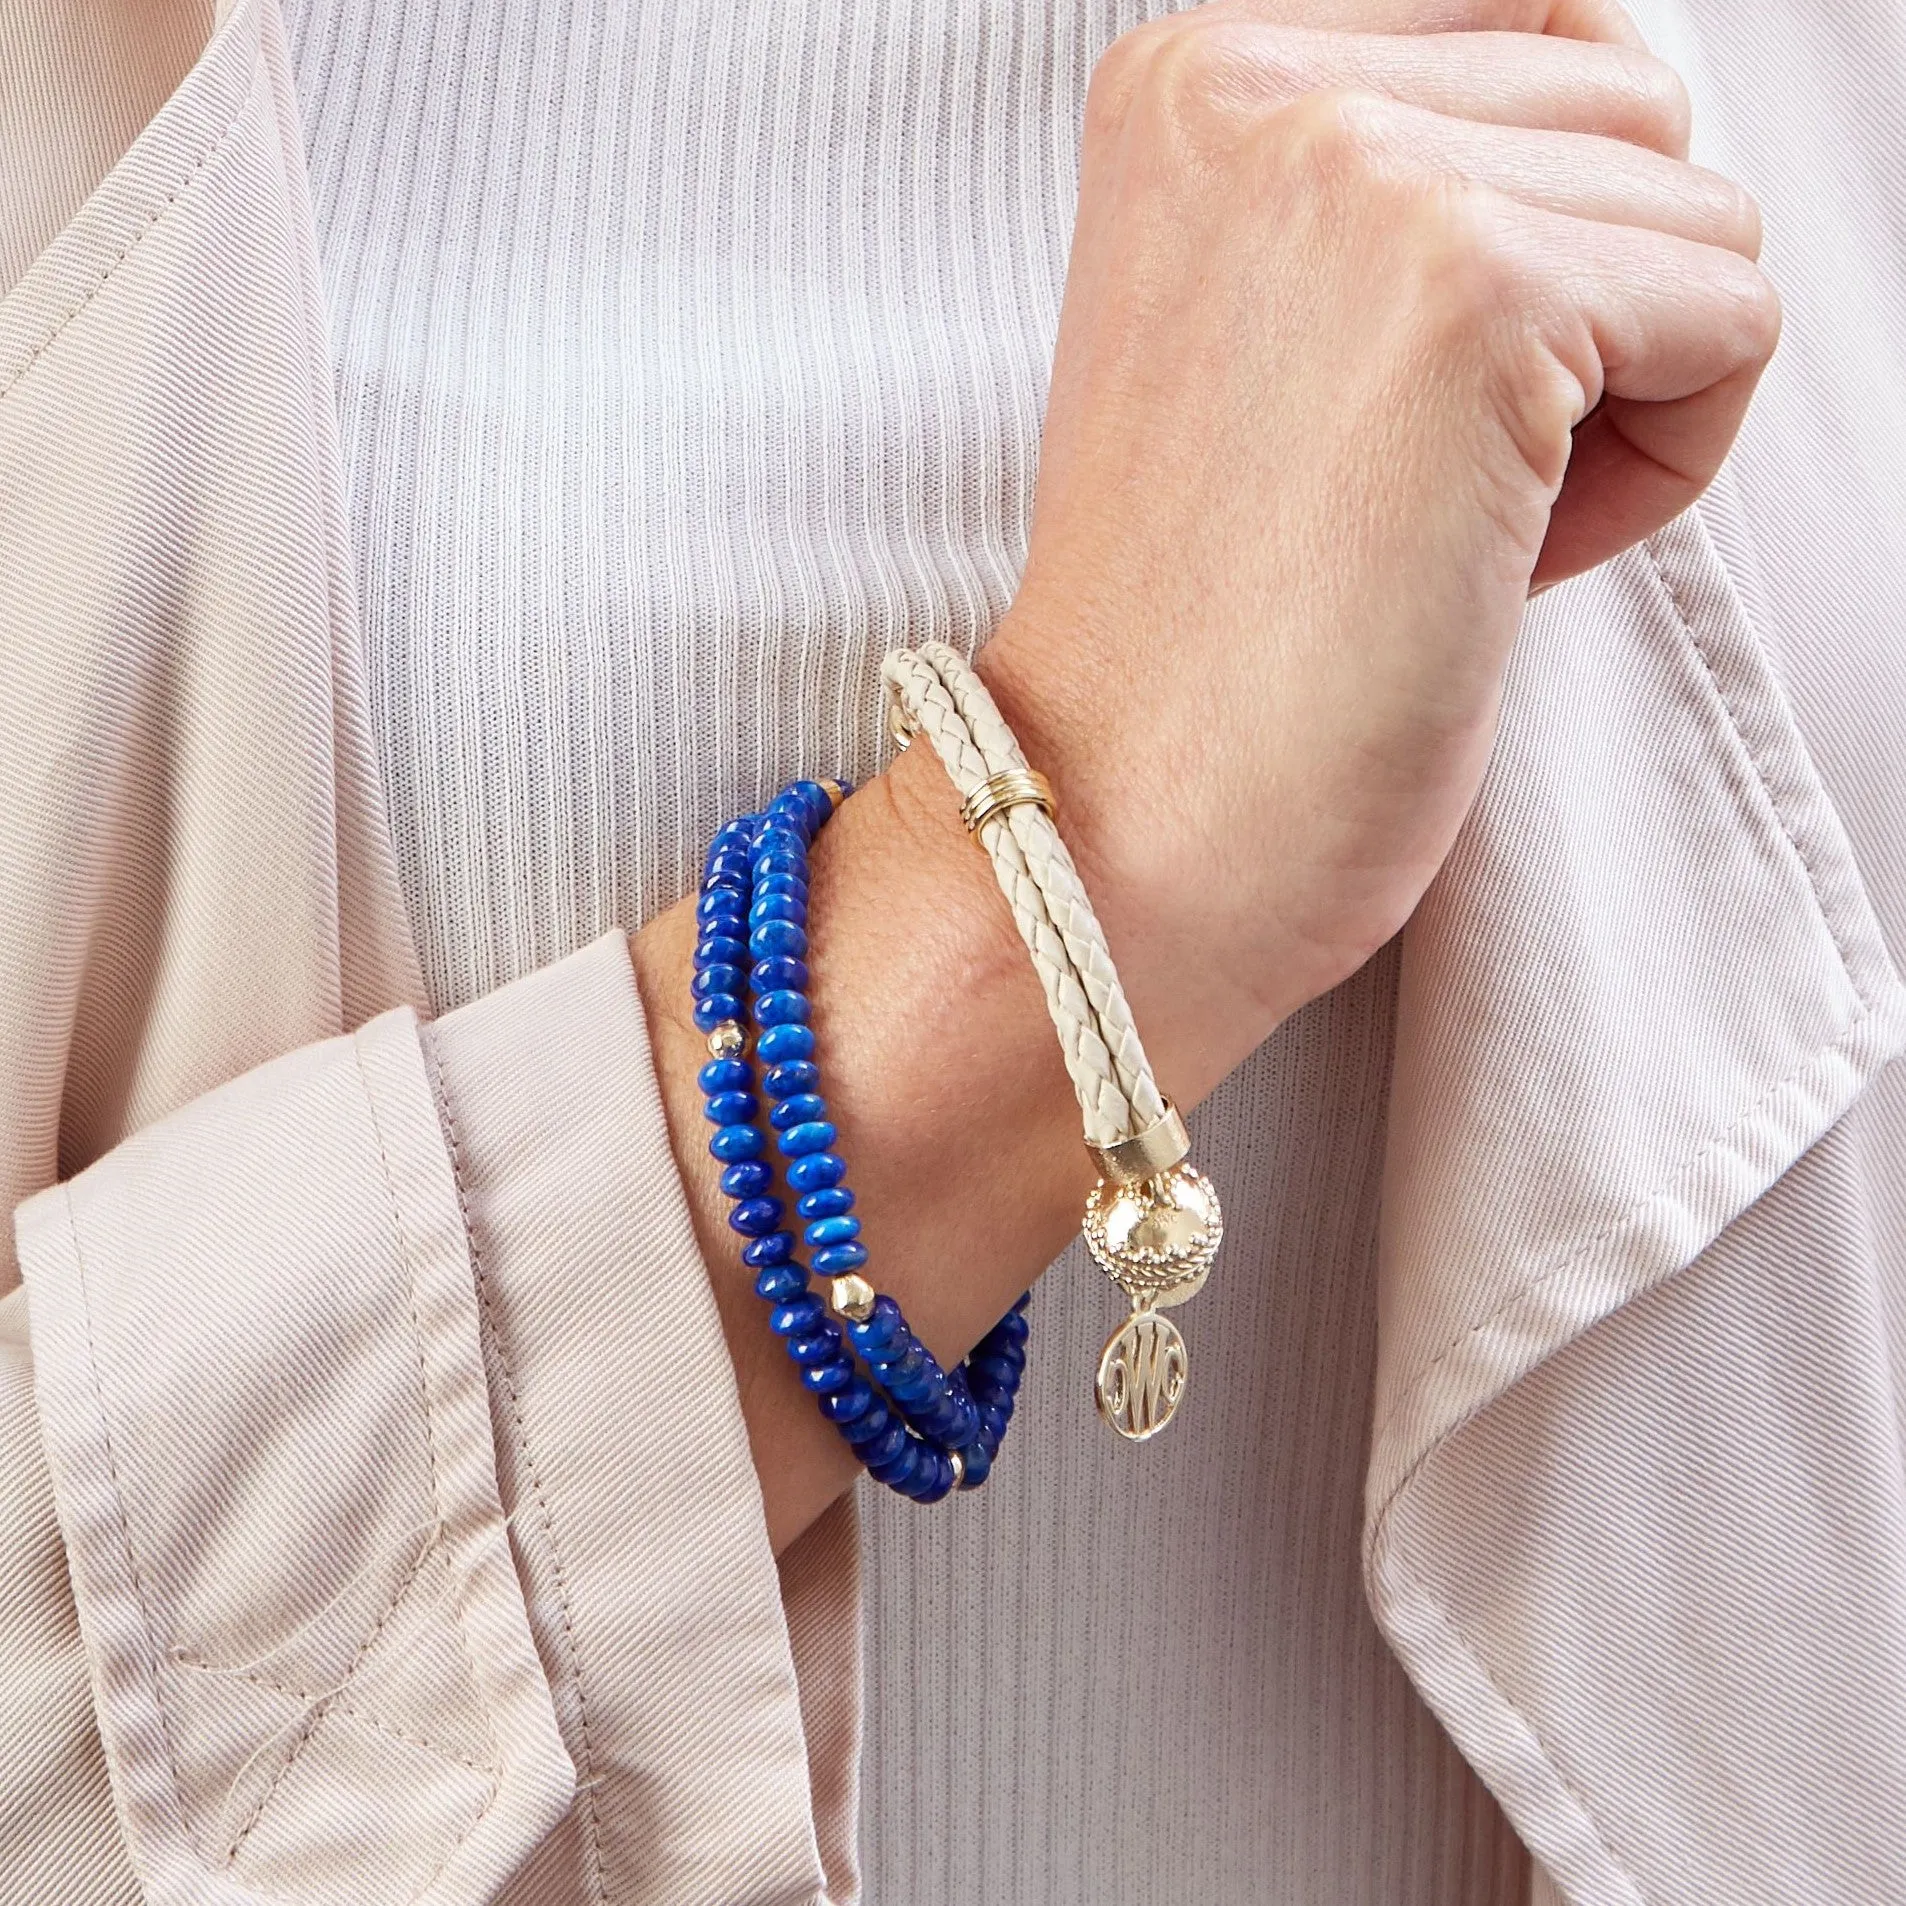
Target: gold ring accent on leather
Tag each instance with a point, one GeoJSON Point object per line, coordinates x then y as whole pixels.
{"type": "Point", "coordinates": [901, 725]}
{"type": "Point", "coordinates": [1013, 787]}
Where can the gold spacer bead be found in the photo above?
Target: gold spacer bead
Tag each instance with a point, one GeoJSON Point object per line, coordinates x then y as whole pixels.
{"type": "Point", "coordinates": [851, 1297]}
{"type": "Point", "coordinates": [1013, 787]}
{"type": "Point", "coordinates": [959, 1467]}
{"type": "Point", "coordinates": [835, 792]}
{"type": "Point", "coordinates": [726, 1040]}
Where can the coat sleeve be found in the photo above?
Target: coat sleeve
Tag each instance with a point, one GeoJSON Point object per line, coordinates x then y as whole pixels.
{"type": "Point", "coordinates": [415, 1551]}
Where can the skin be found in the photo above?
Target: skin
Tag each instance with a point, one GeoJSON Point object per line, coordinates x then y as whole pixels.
{"type": "Point", "coordinates": [1453, 250]}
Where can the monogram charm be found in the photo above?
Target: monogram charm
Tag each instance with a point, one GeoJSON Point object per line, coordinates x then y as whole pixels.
{"type": "Point", "coordinates": [1154, 1235]}
{"type": "Point", "coordinates": [1142, 1375]}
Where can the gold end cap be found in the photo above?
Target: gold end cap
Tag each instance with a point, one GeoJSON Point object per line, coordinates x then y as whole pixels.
{"type": "Point", "coordinates": [1161, 1145]}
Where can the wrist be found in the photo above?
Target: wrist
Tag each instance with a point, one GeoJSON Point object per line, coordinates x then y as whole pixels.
{"type": "Point", "coordinates": [1199, 960]}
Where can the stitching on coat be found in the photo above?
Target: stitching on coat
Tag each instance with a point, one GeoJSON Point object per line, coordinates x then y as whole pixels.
{"type": "Point", "coordinates": [149, 1662]}
{"type": "Point", "coordinates": [336, 1702]}
{"type": "Point", "coordinates": [423, 1387]}
{"type": "Point", "coordinates": [1434, 1608]}
{"type": "Point", "coordinates": [1650, 550]}
{"type": "Point", "coordinates": [1632, 1215]}
{"type": "Point", "coordinates": [244, 110]}
{"type": "Point", "coordinates": [310, 1724]}
{"type": "Point", "coordinates": [1634, 1212]}
{"type": "Point", "coordinates": [586, 1781]}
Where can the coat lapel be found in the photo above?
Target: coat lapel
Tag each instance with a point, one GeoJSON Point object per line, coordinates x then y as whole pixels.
{"type": "Point", "coordinates": [195, 874]}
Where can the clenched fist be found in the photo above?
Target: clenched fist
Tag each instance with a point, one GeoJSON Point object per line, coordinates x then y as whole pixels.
{"type": "Point", "coordinates": [1367, 333]}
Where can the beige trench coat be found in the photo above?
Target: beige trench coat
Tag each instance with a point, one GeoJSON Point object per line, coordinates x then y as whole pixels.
{"type": "Point", "coordinates": [348, 1549]}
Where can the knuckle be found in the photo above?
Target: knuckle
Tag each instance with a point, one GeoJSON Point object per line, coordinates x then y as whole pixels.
{"type": "Point", "coordinates": [1467, 278]}
{"type": "Point", "coordinates": [1659, 103]}
{"type": "Point", "coordinates": [1114, 80]}
{"type": "Point", "coordinates": [1740, 216]}
{"type": "Point", "coordinates": [1195, 75]}
{"type": "Point", "coordinates": [1758, 315]}
{"type": "Point", "coordinates": [1332, 137]}
{"type": "Point", "coordinates": [1178, 68]}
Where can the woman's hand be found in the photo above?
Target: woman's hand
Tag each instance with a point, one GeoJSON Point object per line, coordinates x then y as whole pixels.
{"type": "Point", "coordinates": [1366, 332]}
{"type": "Point", "coordinates": [1364, 335]}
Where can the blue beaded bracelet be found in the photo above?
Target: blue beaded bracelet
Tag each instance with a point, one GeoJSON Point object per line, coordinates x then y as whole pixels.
{"type": "Point", "coordinates": [918, 1428]}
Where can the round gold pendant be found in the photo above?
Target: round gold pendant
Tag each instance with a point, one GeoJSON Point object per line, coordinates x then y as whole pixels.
{"type": "Point", "coordinates": [1142, 1375]}
{"type": "Point", "coordinates": [1156, 1240]}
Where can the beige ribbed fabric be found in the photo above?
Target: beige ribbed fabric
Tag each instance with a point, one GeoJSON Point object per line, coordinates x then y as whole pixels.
{"type": "Point", "coordinates": [688, 356]}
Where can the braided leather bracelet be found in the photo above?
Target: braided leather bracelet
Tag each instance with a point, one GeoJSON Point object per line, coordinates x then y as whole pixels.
{"type": "Point", "coordinates": [1152, 1223]}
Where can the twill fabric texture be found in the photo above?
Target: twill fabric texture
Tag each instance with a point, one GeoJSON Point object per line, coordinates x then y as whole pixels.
{"type": "Point", "coordinates": [452, 457]}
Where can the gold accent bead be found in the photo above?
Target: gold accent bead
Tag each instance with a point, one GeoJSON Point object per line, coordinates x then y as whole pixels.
{"type": "Point", "coordinates": [851, 1297]}
{"type": "Point", "coordinates": [726, 1040]}
{"type": "Point", "coordinates": [1014, 787]}
{"type": "Point", "coordinates": [1157, 1148]}
{"type": "Point", "coordinates": [959, 1467]}
{"type": "Point", "coordinates": [835, 792]}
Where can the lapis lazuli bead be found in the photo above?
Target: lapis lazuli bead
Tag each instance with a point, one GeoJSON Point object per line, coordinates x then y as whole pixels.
{"type": "Point", "coordinates": [888, 1444]}
{"type": "Point", "coordinates": [778, 1282]}
{"type": "Point", "coordinates": [845, 1405]}
{"type": "Point", "coordinates": [872, 1423]}
{"type": "Point", "coordinates": [826, 1204]}
{"type": "Point", "coordinates": [778, 906]}
{"type": "Point", "coordinates": [828, 1377]}
{"type": "Point", "coordinates": [781, 1009]}
{"type": "Point", "coordinates": [720, 904]}
{"type": "Point", "coordinates": [821, 1348]}
{"type": "Point", "coordinates": [719, 1010]}
{"type": "Point", "coordinates": [725, 1075]}
{"type": "Point", "coordinates": [813, 1136]}
{"type": "Point", "coordinates": [997, 1372]}
{"type": "Point", "coordinates": [777, 939]}
{"type": "Point", "coordinates": [776, 1248]}
{"type": "Point", "coordinates": [717, 979]}
{"type": "Point", "coordinates": [748, 1179]}
{"type": "Point", "coordinates": [830, 1231]}
{"type": "Point", "coordinates": [719, 949]}
{"type": "Point", "coordinates": [755, 1217]}
{"type": "Point", "coordinates": [737, 1141]}
{"type": "Point", "coordinates": [786, 886]}
{"type": "Point", "coordinates": [882, 1328]}
{"type": "Point", "coordinates": [731, 1108]}
{"type": "Point", "coordinates": [786, 1042]}
{"type": "Point", "coordinates": [779, 975]}
{"type": "Point", "coordinates": [798, 1316]}
{"type": "Point", "coordinates": [909, 1372]}
{"type": "Point", "coordinates": [815, 798]}
{"type": "Point", "coordinates": [838, 1259]}
{"type": "Point", "coordinates": [801, 1109]}
{"type": "Point", "coordinates": [785, 1081]}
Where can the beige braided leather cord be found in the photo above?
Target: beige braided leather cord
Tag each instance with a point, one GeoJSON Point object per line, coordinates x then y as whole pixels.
{"type": "Point", "coordinates": [941, 697]}
{"type": "Point", "coordinates": [1152, 1223]}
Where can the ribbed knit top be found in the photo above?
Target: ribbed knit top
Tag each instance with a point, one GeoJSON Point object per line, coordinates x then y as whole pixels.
{"type": "Point", "coordinates": [691, 354]}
